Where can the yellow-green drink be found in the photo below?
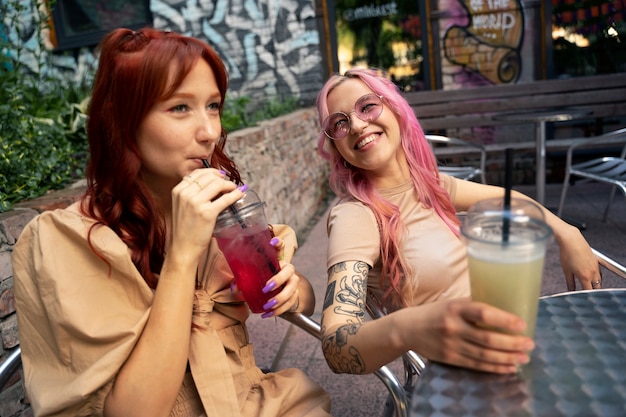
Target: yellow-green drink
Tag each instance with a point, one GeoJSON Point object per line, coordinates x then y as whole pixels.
{"type": "Point", "coordinates": [506, 251]}
{"type": "Point", "coordinates": [510, 286]}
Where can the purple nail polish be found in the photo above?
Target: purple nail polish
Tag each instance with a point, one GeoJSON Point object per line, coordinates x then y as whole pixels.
{"type": "Point", "coordinates": [268, 314]}
{"type": "Point", "coordinates": [270, 304]}
{"type": "Point", "coordinates": [274, 241]}
{"type": "Point", "coordinates": [269, 287]}
{"type": "Point", "coordinates": [221, 171]}
{"type": "Point", "coordinates": [243, 188]}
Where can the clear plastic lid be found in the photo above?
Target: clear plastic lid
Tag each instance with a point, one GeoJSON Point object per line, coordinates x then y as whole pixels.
{"type": "Point", "coordinates": [247, 206]}
{"type": "Point", "coordinates": [488, 220]}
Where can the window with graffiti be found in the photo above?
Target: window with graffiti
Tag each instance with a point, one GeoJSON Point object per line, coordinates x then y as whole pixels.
{"type": "Point", "coordinates": [79, 23]}
{"type": "Point", "coordinates": [384, 34]}
{"type": "Point", "coordinates": [488, 42]}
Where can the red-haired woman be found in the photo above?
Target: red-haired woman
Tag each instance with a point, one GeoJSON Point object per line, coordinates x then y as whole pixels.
{"type": "Point", "coordinates": [124, 301]}
{"type": "Point", "coordinates": [395, 233]}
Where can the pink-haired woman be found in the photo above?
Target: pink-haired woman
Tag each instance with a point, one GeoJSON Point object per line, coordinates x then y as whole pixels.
{"type": "Point", "coordinates": [395, 233]}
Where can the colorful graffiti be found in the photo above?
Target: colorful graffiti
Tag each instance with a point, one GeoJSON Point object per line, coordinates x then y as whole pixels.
{"type": "Point", "coordinates": [271, 48]}
{"type": "Point", "coordinates": [489, 40]}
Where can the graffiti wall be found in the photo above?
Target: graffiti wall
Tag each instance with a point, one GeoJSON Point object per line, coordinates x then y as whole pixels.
{"type": "Point", "coordinates": [271, 47]}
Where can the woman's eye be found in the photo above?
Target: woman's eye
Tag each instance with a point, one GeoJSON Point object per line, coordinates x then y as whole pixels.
{"type": "Point", "coordinates": [368, 107]}
{"type": "Point", "coordinates": [213, 108]}
{"type": "Point", "coordinates": [180, 108]}
{"type": "Point", "coordinates": [337, 122]}
{"type": "Point", "coordinates": [340, 124]}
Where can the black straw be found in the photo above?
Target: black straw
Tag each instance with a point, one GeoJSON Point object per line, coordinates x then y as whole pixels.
{"type": "Point", "coordinates": [508, 184]}
{"type": "Point", "coordinates": [232, 208]}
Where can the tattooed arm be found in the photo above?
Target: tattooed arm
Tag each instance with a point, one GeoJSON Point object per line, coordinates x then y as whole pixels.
{"type": "Point", "coordinates": [349, 344]}
{"type": "Point", "coordinates": [445, 331]}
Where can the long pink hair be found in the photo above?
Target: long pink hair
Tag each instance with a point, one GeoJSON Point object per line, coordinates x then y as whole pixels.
{"type": "Point", "coordinates": [348, 181]}
{"type": "Point", "coordinates": [137, 69]}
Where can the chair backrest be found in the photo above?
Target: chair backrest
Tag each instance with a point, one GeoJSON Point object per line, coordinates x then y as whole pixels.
{"type": "Point", "coordinates": [610, 264]}
{"type": "Point", "coordinates": [615, 137]}
{"type": "Point", "coordinates": [609, 170]}
{"type": "Point", "coordinates": [413, 363]}
{"type": "Point", "coordinates": [10, 366]}
{"type": "Point", "coordinates": [465, 172]}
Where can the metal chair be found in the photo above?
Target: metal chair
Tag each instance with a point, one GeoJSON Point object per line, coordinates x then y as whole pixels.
{"type": "Point", "coordinates": [610, 170]}
{"type": "Point", "coordinates": [462, 172]}
{"type": "Point", "coordinates": [397, 393]}
{"type": "Point", "coordinates": [610, 264]}
{"type": "Point", "coordinates": [398, 401]}
{"type": "Point", "coordinates": [10, 366]}
{"type": "Point", "coordinates": [413, 363]}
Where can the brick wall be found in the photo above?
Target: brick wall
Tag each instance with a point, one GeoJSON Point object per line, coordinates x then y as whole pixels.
{"type": "Point", "coordinates": [278, 159]}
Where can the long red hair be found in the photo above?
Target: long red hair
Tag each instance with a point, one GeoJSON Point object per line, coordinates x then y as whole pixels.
{"type": "Point", "coordinates": [137, 69]}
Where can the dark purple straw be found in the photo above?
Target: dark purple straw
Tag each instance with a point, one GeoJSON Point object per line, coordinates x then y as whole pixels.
{"type": "Point", "coordinates": [508, 184]}
{"type": "Point", "coordinates": [232, 208]}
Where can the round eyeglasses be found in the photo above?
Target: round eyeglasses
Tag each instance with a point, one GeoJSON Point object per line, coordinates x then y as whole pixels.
{"type": "Point", "coordinates": [367, 108]}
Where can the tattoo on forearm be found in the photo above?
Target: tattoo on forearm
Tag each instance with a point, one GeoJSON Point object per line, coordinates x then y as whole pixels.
{"type": "Point", "coordinates": [350, 296]}
{"type": "Point", "coordinates": [346, 295]}
{"type": "Point", "coordinates": [339, 354]}
{"type": "Point", "coordinates": [330, 293]}
{"type": "Point", "coordinates": [330, 289]}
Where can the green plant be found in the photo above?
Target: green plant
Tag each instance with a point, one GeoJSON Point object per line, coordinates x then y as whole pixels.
{"type": "Point", "coordinates": [274, 108]}
{"type": "Point", "coordinates": [235, 115]}
{"type": "Point", "coordinates": [42, 138]}
{"type": "Point", "coordinates": [239, 111]}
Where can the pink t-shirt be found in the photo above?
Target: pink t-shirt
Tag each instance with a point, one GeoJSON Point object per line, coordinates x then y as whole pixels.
{"type": "Point", "coordinates": [436, 254]}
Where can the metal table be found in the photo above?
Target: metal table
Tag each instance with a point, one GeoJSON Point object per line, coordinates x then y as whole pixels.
{"type": "Point", "coordinates": [578, 367]}
{"type": "Point", "coordinates": [540, 118]}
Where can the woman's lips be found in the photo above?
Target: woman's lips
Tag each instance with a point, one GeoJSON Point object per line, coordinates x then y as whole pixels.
{"type": "Point", "coordinates": [368, 139]}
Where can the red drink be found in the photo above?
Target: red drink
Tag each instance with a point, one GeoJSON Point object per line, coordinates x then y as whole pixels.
{"type": "Point", "coordinates": [252, 259]}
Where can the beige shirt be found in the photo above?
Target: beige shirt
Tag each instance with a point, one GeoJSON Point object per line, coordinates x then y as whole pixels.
{"type": "Point", "coordinates": [436, 254]}
{"type": "Point", "coordinates": [79, 318]}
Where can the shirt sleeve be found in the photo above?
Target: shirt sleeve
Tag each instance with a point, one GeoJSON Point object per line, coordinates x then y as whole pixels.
{"type": "Point", "coordinates": [353, 234]}
{"type": "Point", "coordinates": [79, 314]}
{"type": "Point", "coordinates": [449, 184]}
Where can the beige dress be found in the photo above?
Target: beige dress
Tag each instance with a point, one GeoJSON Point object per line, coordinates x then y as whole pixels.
{"type": "Point", "coordinates": [80, 317]}
{"type": "Point", "coordinates": [436, 254]}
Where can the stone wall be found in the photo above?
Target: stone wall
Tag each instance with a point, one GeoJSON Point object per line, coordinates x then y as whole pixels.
{"type": "Point", "coordinates": [278, 159]}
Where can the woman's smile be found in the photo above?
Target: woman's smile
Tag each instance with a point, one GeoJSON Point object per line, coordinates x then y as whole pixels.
{"type": "Point", "coordinates": [366, 141]}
